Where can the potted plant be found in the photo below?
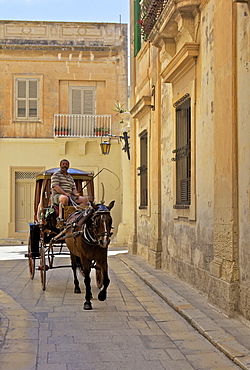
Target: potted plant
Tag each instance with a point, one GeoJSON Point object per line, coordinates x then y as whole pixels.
{"type": "Point", "coordinates": [119, 108]}
{"type": "Point", "coordinates": [62, 131]}
{"type": "Point", "coordinates": [106, 131]}
{"type": "Point", "coordinates": [98, 131]}
{"type": "Point", "coordinates": [122, 112]}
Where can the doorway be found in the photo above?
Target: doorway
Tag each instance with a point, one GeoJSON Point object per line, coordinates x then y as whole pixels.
{"type": "Point", "coordinates": [24, 200]}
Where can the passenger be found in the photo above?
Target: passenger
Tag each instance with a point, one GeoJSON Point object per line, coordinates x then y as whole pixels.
{"type": "Point", "coordinates": [63, 187]}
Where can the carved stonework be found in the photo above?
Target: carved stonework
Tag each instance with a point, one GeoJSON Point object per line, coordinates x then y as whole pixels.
{"type": "Point", "coordinates": [141, 107]}
{"type": "Point", "coordinates": [181, 62]}
{"type": "Point", "coordinates": [168, 48]}
{"type": "Point", "coordinates": [19, 30]}
{"type": "Point", "coordinates": [41, 35]}
{"type": "Point", "coordinates": [176, 18]}
{"type": "Point", "coordinates": [226, 253]}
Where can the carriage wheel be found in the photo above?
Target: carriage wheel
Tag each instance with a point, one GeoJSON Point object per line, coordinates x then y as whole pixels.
{"type": "Point", "coordinates": [31, 261]}
{"type": "Point", "coordinates": [42, 266]}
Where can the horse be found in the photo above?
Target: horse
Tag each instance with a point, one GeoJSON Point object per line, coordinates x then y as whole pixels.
{"type": "Point", "coordinates": [87, 237]}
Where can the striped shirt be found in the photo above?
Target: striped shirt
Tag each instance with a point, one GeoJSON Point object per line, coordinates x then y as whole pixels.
{"type": "Point", "coordinates": [66, 182]}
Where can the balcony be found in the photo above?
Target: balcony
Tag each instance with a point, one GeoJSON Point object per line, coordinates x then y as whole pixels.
{"type": "Point", "coordinates": [167, 19]}
{"type": "Point", "coordinates": [77, 125]}
{"type": "Point", "coordinates": [150, 12]}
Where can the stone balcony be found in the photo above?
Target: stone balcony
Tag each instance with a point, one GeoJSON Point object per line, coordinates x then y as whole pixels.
{"type": "Point", "coordinates": [177, 17]}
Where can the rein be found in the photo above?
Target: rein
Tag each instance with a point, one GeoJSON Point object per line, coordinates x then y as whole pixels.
{"type": "Point", "coordinates": [87, 237]}
{"type": "Point", "coordinates": [92, 238]}
{"type": "Point", "coordinates": [88, 232]}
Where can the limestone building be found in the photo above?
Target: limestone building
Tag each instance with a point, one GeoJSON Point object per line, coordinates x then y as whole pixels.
{"type": "Point", "coordinates": [190, 86]}
{"type": "Point", "coordinates": [59, 83]}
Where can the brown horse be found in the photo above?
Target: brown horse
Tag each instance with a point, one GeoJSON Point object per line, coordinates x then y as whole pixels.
{"type": "Point", "coordinates": [87, 237]}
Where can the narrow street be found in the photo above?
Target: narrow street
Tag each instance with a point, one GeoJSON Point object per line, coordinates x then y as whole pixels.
{"type": "Point", "coordinates": [134, 329]}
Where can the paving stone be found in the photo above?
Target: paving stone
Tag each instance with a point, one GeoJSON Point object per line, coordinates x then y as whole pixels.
{"type": "Point", "coordinates": [135, 328]}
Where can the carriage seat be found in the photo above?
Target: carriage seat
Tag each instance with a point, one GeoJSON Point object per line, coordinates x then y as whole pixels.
{"type": "Point", "coordinates": [67, 210]}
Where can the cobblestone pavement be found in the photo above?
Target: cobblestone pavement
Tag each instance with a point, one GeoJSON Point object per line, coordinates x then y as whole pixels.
{"type": "Point", "coordinates": [134, 329]}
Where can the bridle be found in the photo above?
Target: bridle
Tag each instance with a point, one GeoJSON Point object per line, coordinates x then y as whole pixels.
{"type": "Point", "coordinates": [90, 220]}
{"type": "Point", "coordinates": [91, 234]}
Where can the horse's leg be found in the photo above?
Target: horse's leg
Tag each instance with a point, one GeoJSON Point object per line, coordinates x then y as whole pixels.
{"type": "Point", "coordinates": [86, 269]}
{"type": "Point", "coordinates": [103, 293]}
{"type": "Point", "coordinates": [74, 268]}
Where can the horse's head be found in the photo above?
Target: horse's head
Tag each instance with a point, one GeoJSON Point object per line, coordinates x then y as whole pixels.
{"type": "Point", "coordinates": [102, 223]}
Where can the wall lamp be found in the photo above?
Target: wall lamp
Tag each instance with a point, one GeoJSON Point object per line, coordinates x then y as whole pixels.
{"type": "Point", "coordinates": [106, 144]}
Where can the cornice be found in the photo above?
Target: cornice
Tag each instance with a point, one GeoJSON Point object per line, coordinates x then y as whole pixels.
{"type": "Point", "coordinates": [74, 35]}
{"type": "Point", "coordinates": [181, 62]}
{"type": "Point", "coordinates": [203, 4]}
{"type": "Point", "coordinates": [168, 24]}
{"type": "Point", "coordinates": [141, 107]}
{"type": "Point", "coordinates": [56, 45]}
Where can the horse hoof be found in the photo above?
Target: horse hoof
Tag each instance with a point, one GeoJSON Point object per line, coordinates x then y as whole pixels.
{"type": "Point", "coordinates": [77, 290]}
{"type": "Point", "coordinates": [87, 306]}
{"type": "Point", "coordinates": [102, 296]}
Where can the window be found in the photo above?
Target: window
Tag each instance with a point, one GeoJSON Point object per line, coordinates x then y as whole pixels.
{"type": "Point", "coordinates": [183, 152]}
{"type": "Point", "coordinates": [143, 170]}
{"type": "Point", "coordinates": [27, 99]}
{"type": "Point", "coordinates": [82, 100]}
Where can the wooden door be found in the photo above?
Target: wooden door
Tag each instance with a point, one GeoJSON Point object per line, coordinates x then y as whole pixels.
{"type": "Point", "coordinates": [24, 204]}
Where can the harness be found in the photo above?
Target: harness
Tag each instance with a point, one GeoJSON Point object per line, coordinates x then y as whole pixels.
{"type": "Point", "coordinates": [88, 237]}
{"type": "Point", "coordinates": [89, 234]}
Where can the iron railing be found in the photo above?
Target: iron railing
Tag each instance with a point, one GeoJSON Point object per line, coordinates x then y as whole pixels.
{"type": "Point", "coordinates": [150, 12]}
{"type": "Point", "coordinates": [81, 125]}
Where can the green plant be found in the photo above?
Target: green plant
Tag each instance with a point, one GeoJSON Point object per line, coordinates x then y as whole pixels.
{"type": "Point", "coordinates": [106, 130]}
{"type": "Point", "coordinates": [101, 131]}
{"type": "Point", "coordinates": [121, 111]}
{"type": "Point", "coordinates": [119, 108]}
{"type": "Point", "coordinates": [62, 131]}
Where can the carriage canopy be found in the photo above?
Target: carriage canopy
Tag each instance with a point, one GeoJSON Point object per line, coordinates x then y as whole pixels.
{"type": "Point", "coordinates": [83, 180]}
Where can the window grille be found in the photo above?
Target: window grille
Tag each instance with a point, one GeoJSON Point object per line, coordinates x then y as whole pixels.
{"type": "Point", "coordinates": [23, 175]}
{"type": "Point", "coordinates": [150, 13]}
{"type": "Point", "coordinates": [143, 170]}
{"type": "Point", "coordinates": [183, 152]}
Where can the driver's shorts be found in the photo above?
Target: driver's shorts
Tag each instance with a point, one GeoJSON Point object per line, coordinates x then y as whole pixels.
{"type": "Point", "coordinates": [55, 198]}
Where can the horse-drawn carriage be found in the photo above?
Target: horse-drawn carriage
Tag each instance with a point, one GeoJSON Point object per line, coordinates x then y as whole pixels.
{"type": "Point", "coordinates": [85, 231]}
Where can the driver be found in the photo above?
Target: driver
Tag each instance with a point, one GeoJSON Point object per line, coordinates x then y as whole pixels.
{"type": "Point", "coordinates": [63, 187]}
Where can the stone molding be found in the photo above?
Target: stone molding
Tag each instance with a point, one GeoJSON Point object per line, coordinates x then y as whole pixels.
{"type": "Point", "coordinates": [61, 34]}
{"type": "Point", "coordinates": [181, 62]}
{"type": "Point", "coordinates": [176, 16]}
{"type": "Point", "coordinates": [141, 107]}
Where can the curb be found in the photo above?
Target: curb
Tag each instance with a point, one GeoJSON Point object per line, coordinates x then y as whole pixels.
{"type": "Point", "coordinates": [196, 317]}
{"type": "Point", "coordinates": [4, 325]}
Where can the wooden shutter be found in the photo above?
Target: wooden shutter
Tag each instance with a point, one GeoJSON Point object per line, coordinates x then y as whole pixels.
{"type": "Point", "coordinates": [33, 99]}
{"type": "Point", "coordinates": [82, 100]}
{"type": "Point", "coordinates": [137, 30]}
{"type": "Point", "coordinates": [21, 98]}
{"type": "Point", "coordinates": [183, 153]}
{"type": "Point", "coordinates": [27, 99]}
{"type": "Point", "coordinates": [21, 89]}
{"type": "Point", "coordinates": [88, 102]}
{"type": "Point", "coordinates": [76, 102]}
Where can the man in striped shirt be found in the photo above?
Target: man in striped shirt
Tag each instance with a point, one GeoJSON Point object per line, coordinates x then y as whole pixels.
{"type": "Point", "coordinates": [63, 188]}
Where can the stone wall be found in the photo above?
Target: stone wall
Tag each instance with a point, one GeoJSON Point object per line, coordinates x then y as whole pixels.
{"type": "Point", "coordinates": [200, 48]}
